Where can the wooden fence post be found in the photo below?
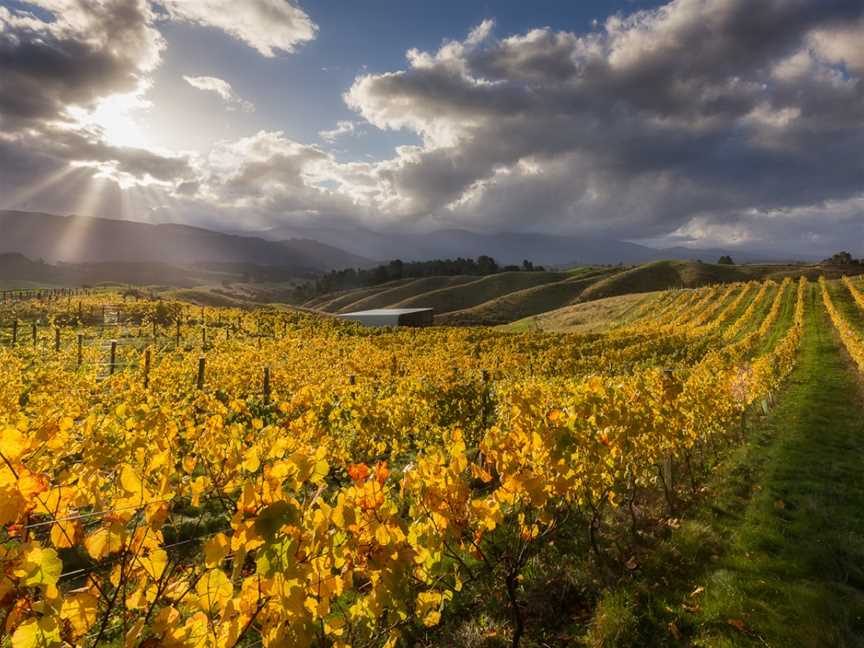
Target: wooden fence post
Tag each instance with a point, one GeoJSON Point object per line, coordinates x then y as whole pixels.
{"type": "Point", "coordinates": [266, 384]}
{"type": "Point", "coordinates": [14, 332]}
{"type": "Point", "coordinates": [80, 345]}
{"type": "Point", "coordinates": [33, 327]}
{"type": "Point", "coordinates": [113, 357]}
{"type": "Point", "coordinates": [146, 367]}
{"type": "Point", "coordinates": [199, 383]}
{"type": "Point", "coordinates": [57, 339]}
{"type": "Point", "coordinates": [484, 376]}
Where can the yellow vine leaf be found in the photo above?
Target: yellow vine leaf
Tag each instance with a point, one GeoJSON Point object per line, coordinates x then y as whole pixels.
{"type": "Point", "coordinates": [39, 566]}
{"type": "Point", "coordinates": [429, 607]}
{"type": "Point", "coordinates": [214, 590]}
{"type": "Point", "coordinates": [81, 610]}
{"type": "Point", "coordinates": [154, 563]}
{"type": "Point", "coordinates": [37, 633]}
{"type": "Point", "coordinates": [13, 444]}
{"type": "Point", "coordinates": [215, 550]}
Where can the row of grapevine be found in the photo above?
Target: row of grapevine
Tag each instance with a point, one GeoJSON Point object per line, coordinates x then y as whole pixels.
{"type": "Point", "coordinates": [850, 338]}
{"type": "Point", "coordinates": [340, 512]}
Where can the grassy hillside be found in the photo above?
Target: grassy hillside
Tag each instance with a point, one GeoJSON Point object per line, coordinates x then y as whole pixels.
{"type": "Point", "coordinates": [529, 301]}
{"type": "Point", "coordinates": [445, 300]}
{"type": "Point", "coordinates": [589, 317]}
{"type": "Point", "coordinates": [554, 298]}
{"type": "Point", "coordinates": [661, 275]}
{"type": "Point", "coordinates": [400, 293]}
{"type": "Point", "coordinates": [351, 296]}
{"type": "Point", "coordinates": [203, 297]}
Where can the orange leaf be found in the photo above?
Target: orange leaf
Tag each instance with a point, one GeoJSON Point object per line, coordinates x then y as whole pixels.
{"type": "Point", "coordinates": [358, 472]}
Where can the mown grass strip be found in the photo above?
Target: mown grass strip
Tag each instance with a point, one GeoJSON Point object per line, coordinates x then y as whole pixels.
{"type": "Point", "coordinates": [774, 556]}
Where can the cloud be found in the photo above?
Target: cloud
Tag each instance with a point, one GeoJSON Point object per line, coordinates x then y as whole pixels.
{"type": "Point", "coordinates": [342, 128]}
{"type": "Point", "coordinates": [223, 89]}
{"type": "Point", "coordinates": [265, 25]}
{"type": "Point", "coordinates": [695, 112]}
{"type": "Point", "coordinates": [841, 44]}
{"type": "Point", "coordinates": [84, 52]}
{"type": "Point", "coordinates": [700, 122]}
{"type": "Point", "coordinates": [270, 174]}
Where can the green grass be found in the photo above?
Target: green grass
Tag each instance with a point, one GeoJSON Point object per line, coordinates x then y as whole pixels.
{"type": "Point", "coordinates": [519, 304]}
{"type": "Point", "coordinates": [845, 304]}
{"type": "Point", "coordinates": [387, 298]}
{"type": "Point", "coordinates": [445, 300]}
{"type": "Point", "coordinates": [774, 556]}
{"type": "Point", "coordinates": [761, 312]}
{"type": "Point", "coordinates": [342, 299]}
{"type": "Point", "coordinates": [203, 297]}
{"type": "Point", "coordinates": [662, 275]}
{"type": "Point", "coordinates": [592, 317]}
{"type": "Point", "coordinates": [783, 323]}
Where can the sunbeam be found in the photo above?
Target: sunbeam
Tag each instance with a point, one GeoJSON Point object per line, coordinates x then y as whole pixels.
{"type": "Point", "coordinates": [22, 196]}
{"type": "Point", "coordinates": [71, 245]}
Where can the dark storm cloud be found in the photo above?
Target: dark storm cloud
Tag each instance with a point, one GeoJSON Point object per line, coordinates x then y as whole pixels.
{"type": "Point", "coordinates": [701, 108]}
{"type": "Point", "coordinates": [50, 68]}
{"type": "Point", "coordinates": [87, 51]}
{"type": "Point", "coordinates": [700, 121]}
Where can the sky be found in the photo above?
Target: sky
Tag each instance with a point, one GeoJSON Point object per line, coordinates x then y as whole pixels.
{"type": "Point", "coordinates": [704, 123]}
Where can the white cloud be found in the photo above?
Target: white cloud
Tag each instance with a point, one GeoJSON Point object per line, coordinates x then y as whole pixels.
{"type": "Point", "coordinates": [700, 121]}
{"type": "Point", "coordinates": [265, 25]}
{"type": "Point", "coordinates": [221, 88]}
{"type": "Point", "coordinates": [344, 127]}
{"type": "Point", "coordinates": [700, 107]}
{"type": "Point", "coordinates": [841, 44]}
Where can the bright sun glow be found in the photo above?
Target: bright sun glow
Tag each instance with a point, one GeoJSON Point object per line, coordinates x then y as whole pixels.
{"type": "Point", "coordinates": [115, 117]}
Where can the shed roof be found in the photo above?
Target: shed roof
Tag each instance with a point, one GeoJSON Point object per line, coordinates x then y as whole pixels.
{"type": "Point", "coordinates": [387, 311]}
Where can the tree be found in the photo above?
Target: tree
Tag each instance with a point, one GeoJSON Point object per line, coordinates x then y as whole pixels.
{"type": "Point", "coordinates": [487, 265]}
{"type": "Point", "coordinates": [841, 258]}
{"type": "Point", "coordinates": [725, 260]}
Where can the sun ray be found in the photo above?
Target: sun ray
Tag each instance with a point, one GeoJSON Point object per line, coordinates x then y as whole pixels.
{"type": "Point", "coordinates": [19, 198]}
{"type": "Point", "coordinates": [69, 247]}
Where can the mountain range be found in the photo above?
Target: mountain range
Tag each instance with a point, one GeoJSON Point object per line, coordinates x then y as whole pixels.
{"type": "Point", "coordinates": [303, 251]}
{"type": "Point", "coordinates": [78, 239]}
{"type": "Point", "coordinates": [505, 247]}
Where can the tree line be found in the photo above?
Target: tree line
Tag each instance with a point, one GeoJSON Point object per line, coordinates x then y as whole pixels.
{"type": "Point", "coordinates": [350, 278]}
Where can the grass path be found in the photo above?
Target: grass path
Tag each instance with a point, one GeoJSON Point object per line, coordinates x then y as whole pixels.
{"type": "Point", "coordinates": [774, 553]}
{"type": "Point", "coordinates": [793, 573]}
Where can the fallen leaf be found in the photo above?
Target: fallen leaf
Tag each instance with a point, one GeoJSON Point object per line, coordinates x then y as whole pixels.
{"type": "Point", "coordinates": [738, 624]}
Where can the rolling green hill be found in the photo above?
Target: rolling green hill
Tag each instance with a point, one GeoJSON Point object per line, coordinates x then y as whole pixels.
{"type": "Point", "coordinates": [445, 300]}
{"type": "Point", "coordinates": [661, 275]}
{"type": "Point", "coordinates": [405, 291]}
{"type": "Point", "coordinates": [345, 298]}
{"type": "Point", "coordinates": [529, 301]}
{"type": "Point", "coordinates": [589, 317]}
{"type": "Point", "coordinates": [554, 300]}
